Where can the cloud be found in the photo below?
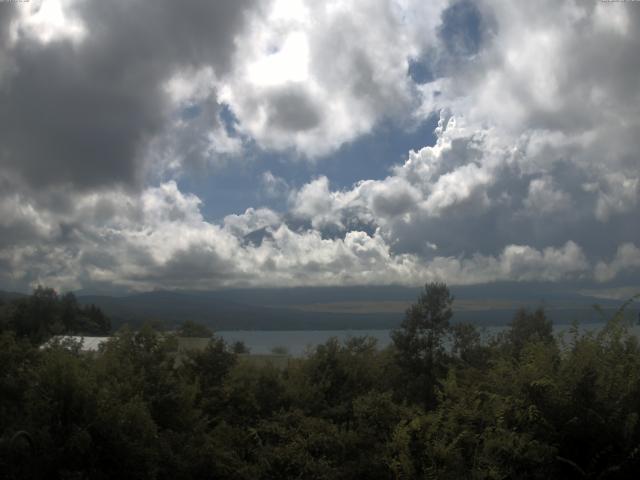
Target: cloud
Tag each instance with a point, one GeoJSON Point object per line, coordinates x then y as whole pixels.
{"type": "Point", "coordinates": [617, 194]}
{"type": "Point", "coordinates": [106, 99]}
{"type": "Point", "coordinates": [314, 202]}
{"type": "Point", "coordinates": [550, 71]}
{"type": "Point", "coordinates": [627, 258]}
{"type": "Point", "coordinates": [390, 198]}
{"type": "Point", "coordinates": [534, 174]}
{"type": "Point", "coordinates": [81, 110]}
{"type": "Point", "coordinates": [50, 21]}
{"type": "Point", "coordinates": [195, 135]}
{"type": "Point", "coordinates": [544, 199]}
{"type": "Point", "coordinates": [462, 29]}
{"type": "Point", "coordinates": [312, 76]}
{"type": "Point", "coordinates": [556, 112]}
{"type": "Point", "coordinates": [291, 109]}
{"type": "Point", "coordinates": [251, 220]}
{"type": "Point", "coordinates": [273, 185]}
{"type": "Point", "coordinates": [161, 240]}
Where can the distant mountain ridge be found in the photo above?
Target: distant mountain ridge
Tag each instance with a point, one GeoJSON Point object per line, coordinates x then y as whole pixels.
{"type": "Point", "coordinates": [172, 308]}
{"type": "Point", "coordinates": [334, 308]}
{"type": "Point", "coordinates": [8, 296]}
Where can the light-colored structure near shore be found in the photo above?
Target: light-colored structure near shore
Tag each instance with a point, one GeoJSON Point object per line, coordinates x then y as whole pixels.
{"type": "Point", "coordinates": [185, 344]}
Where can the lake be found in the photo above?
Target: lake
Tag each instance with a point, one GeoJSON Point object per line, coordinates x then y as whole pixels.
{"type": "Point", "coordinates": [297, 342]}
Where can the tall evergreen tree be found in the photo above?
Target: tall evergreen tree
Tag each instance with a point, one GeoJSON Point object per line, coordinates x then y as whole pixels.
{"type": "Point", "coordinates": [419, 342]}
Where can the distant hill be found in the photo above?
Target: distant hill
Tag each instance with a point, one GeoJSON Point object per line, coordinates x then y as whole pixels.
{"type": "Point", "coordinates": [172, 308]}
{"type": "Point", "coordinates": [335, 308]}
{"type": "Point", "coordinates": [8, 296]}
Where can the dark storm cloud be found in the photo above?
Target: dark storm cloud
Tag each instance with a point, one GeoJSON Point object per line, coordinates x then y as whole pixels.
{"type": "Point", "coordinates": [293, 109]}
{"type": "Point", "coordinates": [165, 31]}
{"type": "Point", "coordinates": [82, 114]}
{"type": "Point", "coordinates": [68, 122]}
{"type": "Point", "coordinates": [196, 265]}
{"type": "Point", "coordinates": [7, 14]}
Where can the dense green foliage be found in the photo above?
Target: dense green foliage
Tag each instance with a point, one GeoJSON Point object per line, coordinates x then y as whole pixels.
{"type": "Point", "coordinates": [190, 328]}
{"type": "Point", "coordinates": [45, 313]}
{"type": "Point", "coordinates": [439, 403]}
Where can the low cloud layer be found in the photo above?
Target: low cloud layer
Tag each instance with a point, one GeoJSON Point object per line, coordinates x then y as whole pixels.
{"type": "Point", "coordinates": [160, 238]}
{"type": "Point", "coordinates": [534, 174]}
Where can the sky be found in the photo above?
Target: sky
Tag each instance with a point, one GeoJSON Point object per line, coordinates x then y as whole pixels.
{"type": "Point", "coordinates": [238, 143]}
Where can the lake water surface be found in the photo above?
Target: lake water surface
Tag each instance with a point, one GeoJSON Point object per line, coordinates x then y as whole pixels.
{"type": "Point", "coordinates": [298, 342]}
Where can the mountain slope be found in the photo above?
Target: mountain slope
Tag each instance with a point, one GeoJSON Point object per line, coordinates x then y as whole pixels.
{"type": "Point", "coordinates": [336, 308]}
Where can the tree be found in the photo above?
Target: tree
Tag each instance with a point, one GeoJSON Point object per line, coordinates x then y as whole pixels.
{"type": "Point", "coordinates": [467, 345]}
{"type": "Point", "coordinates": [280, 350]}
{"type": "Point", "coordinates": [45, 313]}
{"type": "Point", "coordinates": [69, 311]}
{"type": "Point", "coordinates": [93, 321]}
{"type": "Point", "coordinates": [210, 368]}
{"type": "Point", "coordinates": [239, 347]}
{"type": "Point", "coordinates": [190, 328]}
{"type": "Point", "coordinates": [527, 327]}
{"type": "Point", "coordinates": [419, 342]}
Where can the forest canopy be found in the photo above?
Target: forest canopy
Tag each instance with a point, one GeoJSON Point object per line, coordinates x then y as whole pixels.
{"type": "Point", "coordinates": [45, 313]}
{"type": "Point", "coordinates": [439, 402]}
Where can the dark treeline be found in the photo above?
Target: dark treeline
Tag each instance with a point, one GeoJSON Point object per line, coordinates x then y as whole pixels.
{"type": "Point", "coordinates": [438, 403]}
{"type": "Point", "coordinates": [45, 313]}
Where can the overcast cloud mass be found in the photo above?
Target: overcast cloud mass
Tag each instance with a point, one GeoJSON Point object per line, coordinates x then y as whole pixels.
{"type": "Point", "coordinates": [119, 118]}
